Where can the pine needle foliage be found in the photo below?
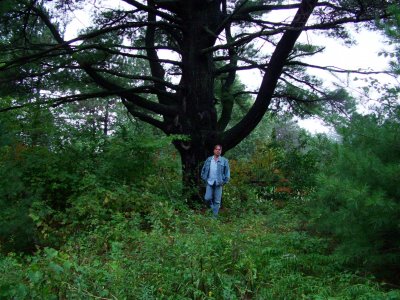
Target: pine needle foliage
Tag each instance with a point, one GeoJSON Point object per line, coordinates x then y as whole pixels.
{"type": "Point", "coordinates": [358, 195]}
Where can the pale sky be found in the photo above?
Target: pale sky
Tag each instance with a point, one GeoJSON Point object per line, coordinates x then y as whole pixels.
{"type": "Point", "coordinates": [364, 55]}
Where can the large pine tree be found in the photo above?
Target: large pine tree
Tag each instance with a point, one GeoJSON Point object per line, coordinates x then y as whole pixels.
{"type": "Point", "coordinates": [201, 42]}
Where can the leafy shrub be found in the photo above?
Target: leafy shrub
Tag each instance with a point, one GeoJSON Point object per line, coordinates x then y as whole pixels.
{"type": "Point", "coordinates": [276, 170]}
{"type": "Point", "coordinates": [45, 191]}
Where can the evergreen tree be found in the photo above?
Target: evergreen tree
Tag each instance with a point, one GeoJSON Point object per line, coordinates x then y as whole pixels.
{"type": "Point", "coordinates": [358, 194]}
{"type": "Point", "coordinates": [205, 40]}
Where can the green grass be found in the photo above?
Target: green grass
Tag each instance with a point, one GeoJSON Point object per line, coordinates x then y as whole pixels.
{"type": "Point", "coordinates": [186, 255]}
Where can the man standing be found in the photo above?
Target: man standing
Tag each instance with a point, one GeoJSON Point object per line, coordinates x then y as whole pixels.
{"type": "Point", "coordinates": [215, 174]}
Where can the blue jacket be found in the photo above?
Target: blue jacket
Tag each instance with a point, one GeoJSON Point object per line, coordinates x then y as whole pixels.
{"type": "Point", "coordinates": [223, 171]}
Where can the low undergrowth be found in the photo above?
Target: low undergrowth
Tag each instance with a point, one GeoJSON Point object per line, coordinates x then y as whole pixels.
{"type": "Point", "coordinates": [186, 255]}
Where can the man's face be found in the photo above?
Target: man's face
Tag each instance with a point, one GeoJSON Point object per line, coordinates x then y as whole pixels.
{"type": "Point", "coordinates": [217, 151]}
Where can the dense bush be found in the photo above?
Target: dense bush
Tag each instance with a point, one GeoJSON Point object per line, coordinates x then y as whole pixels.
{"type": "Point", "coordinates": [358, 194]}
{"type": "Point", "coordinates": [75, 181]}
{"type": "Point", "coordinates": [278, 169]}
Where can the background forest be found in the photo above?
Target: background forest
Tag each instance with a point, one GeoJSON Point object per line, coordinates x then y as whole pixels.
{"type": "Point", "coordinates": [91, 203]}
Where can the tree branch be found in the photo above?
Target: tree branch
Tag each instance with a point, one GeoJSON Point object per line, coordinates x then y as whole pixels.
{"type": "Point", "coordinates": [138, 77]}
{"type": "Point", "coordinates": [116, 52]}
{"type": "Point", "coordinates": [66, 44]}
{"type": "Point", "coordinates": [226, 99]}
{"type": "Point", "coordinates": [142, 116]}
{"type": "Point", "coordinates": [278, 59]}
{"type": "Point", "coordinates": [311, 86]}
{"type": "Point", "coordinates": [57, 101]}
{"type": "Point", "coordinates": [54, 102]}
{"type": "Point", "coordinates": [151, 9]}
{"type": "Point", "coordinates": [272, 7]}
{"type": "Point", "coordinates": [103, 82]}
{"type": "Point", "coordinates": [156, 69]}
{"type": "Point", "coordinates": [335, 69]}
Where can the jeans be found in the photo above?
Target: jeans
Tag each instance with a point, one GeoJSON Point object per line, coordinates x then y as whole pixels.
{"type": "Point", "coordinates": [213, 197]}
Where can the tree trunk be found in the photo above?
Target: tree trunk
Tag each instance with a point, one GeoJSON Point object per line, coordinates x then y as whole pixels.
{"type": "Point", "coordinates": [198, 117]}
{"type": "Point", "coordinates": [192, 160]}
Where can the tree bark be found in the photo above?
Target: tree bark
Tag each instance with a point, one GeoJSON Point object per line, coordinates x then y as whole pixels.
{"type": "Point", "coordinates": [198, 117]}
{"type": "Point", "coordinates": [192, 160]}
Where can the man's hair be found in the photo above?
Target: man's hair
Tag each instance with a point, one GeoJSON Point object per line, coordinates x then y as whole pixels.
{"type": "Point", "coordinates": [218, 145]}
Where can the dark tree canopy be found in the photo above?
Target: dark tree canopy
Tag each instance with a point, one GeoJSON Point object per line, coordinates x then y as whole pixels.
{"type": "Point", "coordinates": [163, 58]}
